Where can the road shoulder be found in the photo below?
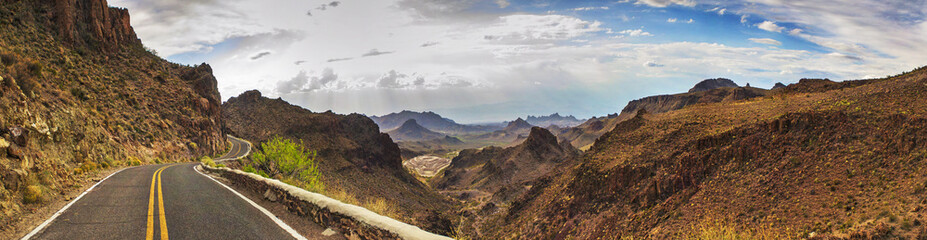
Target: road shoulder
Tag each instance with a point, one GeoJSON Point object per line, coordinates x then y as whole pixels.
{"type": "Point", "coordinates": [303, 225]}
{"type": "Point", "coordinates": [36, 215]}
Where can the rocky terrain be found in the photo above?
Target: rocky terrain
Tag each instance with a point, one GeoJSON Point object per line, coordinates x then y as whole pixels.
{"type": "Point", "coordinates": [427, 166]}
{"type": "Point", "coordinates": [354, 157]}
{"type": "Point", "coordinates": [816, 159]}
{"type": "Point", "coordinates": [411, 131]}
{"type": "Point", "coordinates": [79, 93]}
{"type": "Point", "coordinates": [489, 179]}
{"type": "Point", "coordinates": [706, 91]}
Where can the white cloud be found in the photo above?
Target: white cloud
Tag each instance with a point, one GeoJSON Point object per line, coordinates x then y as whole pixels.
{"type": "Point", "coordinates": [652, 64]}
{"type": "Point", "coordinates": [635, 32]}
{"type": "Point", "coordinates": [665, 3]}
{"type": "Point", "coordinates": [768, 41]}
{"type": "Point", "coordinates": [590, 8]}
{"type": "Point", "coordinates": [690, 21]}
{"type": "Point", "coordinates": [391, 80]}
{"type": "Point", "coordinates": [743, 18]}
{"type": "Point", "coordinates": [503, 3]}
{"type": "Point", "coordinates": [525, 28]}
{"type": "Point", "coordinates": [872, 29]}
{"type": "Point", "coordinates": [770, 26]}
{"type": "Point", "coordinates": [721, 12]}
{"type": "Point", "coordinates": [671, 20]}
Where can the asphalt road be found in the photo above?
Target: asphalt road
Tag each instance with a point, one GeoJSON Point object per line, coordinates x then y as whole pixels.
{"type": "Point", "coordinates": [168, 201]}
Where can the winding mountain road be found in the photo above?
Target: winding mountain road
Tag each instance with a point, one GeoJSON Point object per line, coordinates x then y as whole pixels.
{"type": "Point", "coordinates": [162, 202]}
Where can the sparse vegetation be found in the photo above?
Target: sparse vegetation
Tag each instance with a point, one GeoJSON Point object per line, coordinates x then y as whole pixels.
{"type": "Point", "coordinates": [208, 161]}
{"type": "Point", "coordinates": [287, 159]}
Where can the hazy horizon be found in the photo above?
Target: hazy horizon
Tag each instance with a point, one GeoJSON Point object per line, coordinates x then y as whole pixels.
{"type": "Point", "coordinates": [496, 60]}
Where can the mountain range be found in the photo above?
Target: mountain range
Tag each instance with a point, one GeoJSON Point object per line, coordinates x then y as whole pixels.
{"type": "Point", "coordinates": [429, 120]}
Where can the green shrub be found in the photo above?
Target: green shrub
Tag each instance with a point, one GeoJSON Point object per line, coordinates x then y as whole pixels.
{"type": "Point", "coordinates": [79, 94]}
{"type": "Point", "coordinates": [248, 168]}
{"type": "Point", "coordinates": [208, 161]}
{"type": "Point", "coordinates": [35, 68]}
{"type": "Point", "coordinates": [7, 59]}
{"type": "Point", "coordinates": [33, 194]}
{"type": "Point", "coordinates": [285, 157]}
{"type": "Point", "coordinates": [27, 85]}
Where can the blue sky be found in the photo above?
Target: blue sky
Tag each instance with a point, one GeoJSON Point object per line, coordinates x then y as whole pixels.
{"type": "Point", "coordinates": [493, 60]}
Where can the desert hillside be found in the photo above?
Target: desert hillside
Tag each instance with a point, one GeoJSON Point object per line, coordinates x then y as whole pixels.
{"type": "Point", "coordinates": [354, 157]}
{"type": "Point", "coordinates": [817, 159]}
{"type": "Point", "coordinates": [79, 93]}
{"type": "Point", "coordinates": [705, 92]}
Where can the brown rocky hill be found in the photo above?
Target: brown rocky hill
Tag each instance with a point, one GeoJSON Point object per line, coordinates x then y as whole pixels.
{"type": "Point", "coordinates": [513, 133]}
{"type": "Point", "coordinates": [79, 93]}
{"type": "Point", "coordinates": [411, 131]}
{"type": "Point", "coordinates": [490, 178]}
{"type": "Point", "coordinates": [840, 162]}
{"type": "Point", "coordinates": [490, 168]}
{"type": "Point", "coordinates": [715, 83]}
{"type": "Point", "coordinates": [353, 155]}
{"type": "Point", "coordinates": [707, 91]}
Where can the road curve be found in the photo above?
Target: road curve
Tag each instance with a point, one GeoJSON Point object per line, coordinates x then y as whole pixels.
{"type": "Point", "coordinates": [161, 202]}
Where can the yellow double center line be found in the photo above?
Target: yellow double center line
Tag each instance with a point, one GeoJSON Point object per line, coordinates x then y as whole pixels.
{"type": "Point", "coordinates": [163, 223]}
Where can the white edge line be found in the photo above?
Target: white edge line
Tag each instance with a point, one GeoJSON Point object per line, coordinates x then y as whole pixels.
{"type": "Point", "coordinates": [52, 218]}
{"type": "Point", "coordinates": [279, 222]}
{"type": "Point", "coordinates": [239, 157]}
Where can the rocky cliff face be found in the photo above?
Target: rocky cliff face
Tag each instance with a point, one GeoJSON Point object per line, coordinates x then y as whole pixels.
{"type": "Point", "coordinates": [354, 157]}
{"type": "Point", "coordinates": [665, 103]}
{"type": "Point", "coordinates": [78, 93]}
{"type": "Point", "coordinates": [92, 23]}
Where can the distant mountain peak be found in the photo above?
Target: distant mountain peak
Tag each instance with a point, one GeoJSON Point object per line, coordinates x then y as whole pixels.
{"type": "Point", "coordinates": [411, 130]}
{"type": "Point", "coordinates": [540, 136]}
{"type": "Point", "coordinates": [709, 84]}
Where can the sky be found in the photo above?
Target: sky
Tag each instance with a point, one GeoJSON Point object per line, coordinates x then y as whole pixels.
{"type": "Point", "coordinates": [495, 60]}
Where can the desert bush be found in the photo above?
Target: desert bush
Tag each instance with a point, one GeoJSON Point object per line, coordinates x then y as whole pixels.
{"type": "Point", "coordinates": [79, 94]}
{"type": "Point", "coordinates": [27, 85]}
{"type": "Point", "coordinates": [134, 161]}
{"type": "Point", "coordinates": [285, 157]}
{"type": "Point", "coordinates": [8, 59]}
{"type": "Point", "coordinates": [208, 161]}
{"type": "Point", "coordinates": [33, 194]}
{"type": "Point", "coordinates": [35, 68]}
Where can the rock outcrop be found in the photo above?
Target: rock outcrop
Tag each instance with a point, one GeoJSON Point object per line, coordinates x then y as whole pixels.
{"type": "Point", "coordinates": [500, 167]}
{"type": "Point", "coordinates": [714, 83]}
{"type": "Point", "coordinates": [92, 23]}
{"type": "Point", "coordinates": [778, 86]}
